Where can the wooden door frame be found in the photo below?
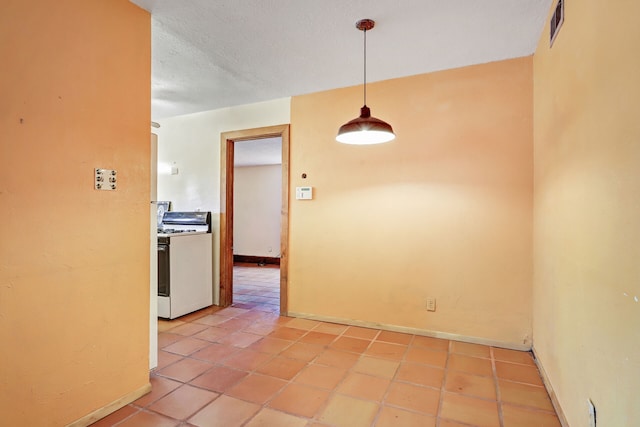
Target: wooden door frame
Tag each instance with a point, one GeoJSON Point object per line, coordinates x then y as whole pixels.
{"type": "Point", "coordinates": [227, 140]}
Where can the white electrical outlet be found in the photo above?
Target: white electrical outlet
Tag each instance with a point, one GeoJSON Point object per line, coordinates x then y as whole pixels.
{"type": "Point", "coordinates": [431, 304]}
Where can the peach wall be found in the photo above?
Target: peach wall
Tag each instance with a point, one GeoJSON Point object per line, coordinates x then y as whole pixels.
{"type": "Point", "coordinates": [74, 261]}
{"type": "Point", "coordinates": [442, 211]}
{"type": "Point", "coordinates": [587, 210]}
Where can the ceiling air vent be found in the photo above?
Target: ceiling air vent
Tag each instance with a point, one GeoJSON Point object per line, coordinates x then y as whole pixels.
{"type": "Point", "coordinates": [556, 21]}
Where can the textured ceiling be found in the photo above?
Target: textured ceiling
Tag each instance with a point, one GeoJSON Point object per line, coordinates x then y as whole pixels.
{"type": "Point", "coordinates": [209, 54]}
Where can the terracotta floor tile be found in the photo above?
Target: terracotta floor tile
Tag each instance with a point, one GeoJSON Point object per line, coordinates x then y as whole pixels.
{"type": "Point", "coordinates": [247, 360]}
{"type": "Point", "coordinates": [185, 369]}
{"type": "Point", "coordinates": [481, 413]}
{"type": "Point", "coordinates": [386, 350]}
{"type": "Point", "coordinates": [192, 317]}
{"type": "Point", "coordinates": [270, 345]}
{"type": "Point", "coordinates": [253, 316]}
{"type": "Point", "coordinates": [520, 373]}
{"type": "Point", "coordinates": [240, 339]}
{"type": "Point", "coordinates": [304, 324]}
{"type": "Point", "coordinates": [471, 365]}
{"type": "Point", "coordinates": [286, 333]}
{"type": "Point", "coordinates": [148, 419]}
{"type": "Point", "coordinates": [115, 417]}
{"type": "Point", "coordinates": [339, 359]}
{"type": "Point", "coordinates": [513, 356]}
{"type": "Point", "coordinates": [430, 342]}
{"type": "Point", "coordinates": [256, 388]}
{"type": "Point", "coordinates": [475, 350]}
{"type": "Point", "coordinates": [318, 338]}
{"type": "Point", "coordinates": [212, 333]}
{"type": "Point", "coordinates": [165, 359]}
{"type": "Point", "coordinates": [166, 338]}
{"type": "Point", "coordinates": [300, 399]}
{"type": "Point", "coordinates": [302, 351]}
{"type": "Point", "coordinates": [364, 386]}
{"type": "Point", "coordinates": [521, 417]}
{"type": "Point", "coordinates": [272, 418]}
{"type": "Point", "coordinates": [211, 320]}
{"type": "Point", "coordinates": [225, 411]}
{"type": "Point", "coordinates": [186, 346]}
{"type": "Point", "coordinates": [321, 376]}
{"type": "Point", "coordinates": [215, 352]}
{"type": "Point", "coordinates": [159, 387]}
{"type": "Point", "coordinates": [183, 402]}
{"type": "Point", "coordinates": [235, 324]}
{"type": "Point", "coordinates": [164, 325]}
{"type": "Point", "coordinates": [471, 385]}
{"type": "Point", "coordinates": [330, 328]}
{"type": "Point", "coordinates": [420, 374]}
{"type": "Point", "coordinates": [275, 319]}
{"type": "Point", "coordinates": [354, 345]}
{"type": "Point", "coordinates": [427, 356]}
{"type": "Point", "coordinates": [394, 337]}
{"type": "Point", "coordinates": [408, 396]}
{"type": "Point", "coordinates": [232, 311]}
{"type": "Point", "coordinates": [281, 367]}
{"type": "Point", "coordinates": [376, 367]}
{"type": "Point", "coordinates": [525, 395]}
{"type": "Point", "coordinates": [360, 332]}
{"type": "Point", "coordinates": [188, 329]}
{"type": "Point", "coordinates": [345, 411]}
{"type": "Point", "coordinates": [260, 328]}
{"type": "Point", "coordinates": [219, 378]}
{"type": "Point", "coordinates": [395, 417]}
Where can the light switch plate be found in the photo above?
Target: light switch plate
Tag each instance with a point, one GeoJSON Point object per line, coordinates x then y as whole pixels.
{"type": "Point", "coordinates": [105, 179]}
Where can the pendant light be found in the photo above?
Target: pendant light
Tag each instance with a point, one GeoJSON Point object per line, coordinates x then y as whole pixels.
{"type": "Point", "coordinates": [365, 129]}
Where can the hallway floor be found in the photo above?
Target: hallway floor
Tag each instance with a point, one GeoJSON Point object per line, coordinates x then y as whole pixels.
{"type": "Point", "coordinates": [247, 366]}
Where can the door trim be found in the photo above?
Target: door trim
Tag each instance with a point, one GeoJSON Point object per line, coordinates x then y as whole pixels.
{"type": "Point", "coordinates": [227, 140]}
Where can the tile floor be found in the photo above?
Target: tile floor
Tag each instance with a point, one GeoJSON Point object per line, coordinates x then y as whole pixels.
{"type": "Point", "coordinates": [247, 366]}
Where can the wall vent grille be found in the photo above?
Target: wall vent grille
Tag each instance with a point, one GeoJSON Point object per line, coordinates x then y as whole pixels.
{"type": "Point", "coordinates": [556, 21]}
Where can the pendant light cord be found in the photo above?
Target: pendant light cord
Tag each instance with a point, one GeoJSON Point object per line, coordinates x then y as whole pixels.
{"type": "Point", "coordinates": [365, 67]}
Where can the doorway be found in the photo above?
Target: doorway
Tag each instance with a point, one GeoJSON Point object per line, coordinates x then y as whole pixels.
{"type": "Point", "coordinates": [227, 147]}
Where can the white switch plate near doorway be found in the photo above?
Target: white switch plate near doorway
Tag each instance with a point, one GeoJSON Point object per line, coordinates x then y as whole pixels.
{"type": "Point", "coordinates": [304, 193]}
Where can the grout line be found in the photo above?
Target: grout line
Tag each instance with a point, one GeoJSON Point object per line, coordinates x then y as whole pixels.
{"type": "Point", "coordinates": [442, 386]}
{"type": "Point", "coordinates": [497, 387]}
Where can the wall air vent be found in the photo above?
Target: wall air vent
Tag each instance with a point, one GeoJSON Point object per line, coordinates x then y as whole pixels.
{"type": "Point", "coordinates": [556, 21]}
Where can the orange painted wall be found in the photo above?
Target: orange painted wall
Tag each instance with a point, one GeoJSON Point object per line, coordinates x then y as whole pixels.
{"type": "Point", "coordinates": [74, 261]}
{"type": "Point", "coordinates": [587, 211]}
{"type": "Point", "coordinates": [445, 210]}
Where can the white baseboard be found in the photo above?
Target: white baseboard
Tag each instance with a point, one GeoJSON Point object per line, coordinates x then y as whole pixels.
{"type": "Point", "coordinates": [550, 391]}
{"type": "Point", "coordinates": [415, 331]}
{"type": "Point", "coordinates": [100, 413]}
